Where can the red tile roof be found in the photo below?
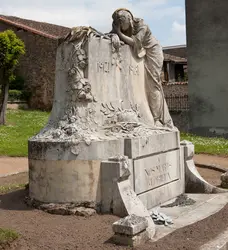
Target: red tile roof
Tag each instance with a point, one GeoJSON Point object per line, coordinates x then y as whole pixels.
{"type": "Point", "coordinates": [175, 83]}
{"type": "Point", "coordinates": [48, 30]}
{"type": "Point", "coordinates": [177, 59]}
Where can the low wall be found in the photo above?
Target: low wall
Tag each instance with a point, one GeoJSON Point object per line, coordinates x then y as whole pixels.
{"type": "Point", "coordinates": [177, 89]}
{"type": "Point", "coordinates": [17, 105]}
{"type": "Point", "coordinates": [176, 95]}
{"type": "Point", "coordinates": [181, 120]}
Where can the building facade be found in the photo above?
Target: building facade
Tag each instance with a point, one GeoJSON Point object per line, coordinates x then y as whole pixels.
{"type": "Point", "coordinates": [37, 66]}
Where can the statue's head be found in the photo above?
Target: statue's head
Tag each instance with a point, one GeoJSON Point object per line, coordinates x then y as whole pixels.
{"type": "Point", "coordinates": [123, 17]}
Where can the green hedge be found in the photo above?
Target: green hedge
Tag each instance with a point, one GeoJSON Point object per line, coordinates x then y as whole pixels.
{"type": "Point", "coordinates": [17, 95]}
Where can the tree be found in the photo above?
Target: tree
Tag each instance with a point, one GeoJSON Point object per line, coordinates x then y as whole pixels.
{"type": "Point", "coordinates": [11, 48]}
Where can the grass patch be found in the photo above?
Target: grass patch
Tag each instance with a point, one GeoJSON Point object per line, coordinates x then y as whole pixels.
{"type": "Point", "coordinates": [7, 236]}
{"type": "Point", "coordinates": [21, 125]}
{"type": "Point", "coordinates": [11, 187]}
{"type": "Point", "coordinates": [207, 145]}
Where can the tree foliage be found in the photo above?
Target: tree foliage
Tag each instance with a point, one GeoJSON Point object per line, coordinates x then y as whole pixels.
{"type": "Point", "coordinates": [11, 48]}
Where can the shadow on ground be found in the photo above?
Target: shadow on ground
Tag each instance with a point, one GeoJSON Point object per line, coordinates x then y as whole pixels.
{"type": "Point", "coordinates": [14, 200]}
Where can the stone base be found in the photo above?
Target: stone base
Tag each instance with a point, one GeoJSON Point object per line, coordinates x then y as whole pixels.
{"type": "Point", "coordinates": [83, 209]}
{"type": "Point", "coordinates": [224, 179]}
{"type": "Point", "coordinates": [130, 231]}
{"type": "Point", "coordinates": [224, 185]}
{"type": "Point", "coordinates": [63, 172]}
{"type": "Point", "coordinates": [205, 205]}
{"type": "Point", "coordinates": [194, 183]}
{"type": "Point", "coordinates": [132, 241]}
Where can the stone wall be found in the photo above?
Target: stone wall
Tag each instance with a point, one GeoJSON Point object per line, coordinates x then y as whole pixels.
{"type": "Point", "coordinates": [181, 120]}
{"type": "Point", "coordinates": [37, 66]}
{"type": "Point", "coordinates": [180, 117]}
{"type": "Point", "coordinates": [177, 89]}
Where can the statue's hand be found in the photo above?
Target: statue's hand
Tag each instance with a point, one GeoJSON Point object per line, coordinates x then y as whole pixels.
{"type": "Point", "coordinates": [116, 28]}
{"type": "Point", "coordinates": [116, 41]}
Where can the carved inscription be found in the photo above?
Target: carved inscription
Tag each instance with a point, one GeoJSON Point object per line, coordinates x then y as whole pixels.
{"type": "Point", "coordinates": [158, 174]}
{"type": "Point", "coordinates": [103, 67]}
{"type": "Point", "coordinates": [157, 170]}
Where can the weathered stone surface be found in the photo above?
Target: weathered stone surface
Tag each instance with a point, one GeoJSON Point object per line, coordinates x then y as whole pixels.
{"type": "Point", "coordinates": [64, 181]}
{"type": "Point", "coordinates": [161, 218]}
{"type": "Point", "coordinates": [132, 204]}
{"type": "Point", "coordinates": [157, 196]}
{"type": "Point", "coordinates": [189, 149]}
{"type": "Point", "coordinates": [79, 209]}
{"type": "Point", "coordinates": [167, 165]}
{"type": "Point", "coordinates": [195, 182]}
{"type": "Point", "coordinates": [100, 105]}
{"type": "Point", "coordinates": [132, 241]}
{"type": "Point", "coordinates": [224, 179]}
{"type": "Point", "coordinates": [74, 150]}
{"type": "Point", "coordinates": [117, 192]}
{"type": "Point", "coordinates": [130, 225]}
{"type": "Point", "coordinates": [82, 211]}
{"type": "Point", "coordinates": [147, 145]}
{"type": "Point", "coordinates": [105, 111]}
{"type": "Point", "coordinates": [112, 171]}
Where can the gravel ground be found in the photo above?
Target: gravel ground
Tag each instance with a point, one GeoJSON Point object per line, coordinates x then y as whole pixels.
{"type": "Point", "coordinates": [40, 231]}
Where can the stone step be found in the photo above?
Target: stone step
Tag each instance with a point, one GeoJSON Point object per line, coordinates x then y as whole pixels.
{"type": "Point", "coordinates": [205, 205]}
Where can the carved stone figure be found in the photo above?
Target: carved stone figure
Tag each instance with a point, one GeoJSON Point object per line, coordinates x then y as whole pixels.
{"type": "Point", "coordinates": [134, 32]}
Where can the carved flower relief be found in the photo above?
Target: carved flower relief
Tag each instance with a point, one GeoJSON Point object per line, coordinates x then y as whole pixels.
{"type": "Point", "coordinates": [83, 88]}
{"type": "Point", "coordinates": [73, 119]}
{"type": "Point", "coordinates": [82, 58]}
{"type": "Point", "coordinates": [127, 116]}
{"type": "Point", "coordinates": [80, 85]}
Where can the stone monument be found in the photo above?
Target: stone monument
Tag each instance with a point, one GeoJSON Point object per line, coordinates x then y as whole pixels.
{"type": "Point", "coordinates": [110, 143]}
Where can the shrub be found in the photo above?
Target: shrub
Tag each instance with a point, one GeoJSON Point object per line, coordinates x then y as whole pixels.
{"type": "Point", "coordinates": [18, 95]}
{"type": "Point", "coordinates": [18, 83]}
{"type": "Point", "coordinates": [15, 95]}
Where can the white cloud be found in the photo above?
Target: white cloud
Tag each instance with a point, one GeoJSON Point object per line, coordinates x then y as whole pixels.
{"type": "Point", "coordinates": [96, 13]}
{"type": "Point", "coordinates": [177, 34]}
{"type": "Point", "coordinates": [173, 12]}
{"type": "Point", "coordinates": [178, 28]}
{"type": "Point", "coordinates": [79, 12]}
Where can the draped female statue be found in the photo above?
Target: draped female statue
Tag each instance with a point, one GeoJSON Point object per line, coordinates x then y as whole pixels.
{"type": "Point", "coordinates": [134, 32]}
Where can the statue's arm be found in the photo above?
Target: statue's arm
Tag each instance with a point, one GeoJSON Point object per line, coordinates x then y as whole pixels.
{"type": "Point", "coordinates": [126, 39]}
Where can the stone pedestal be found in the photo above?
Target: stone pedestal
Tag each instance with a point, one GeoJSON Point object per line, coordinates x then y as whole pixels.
{"type": "Point", "coordinates": [130, 231]}
{"type": "Point", "coordinates": [156, 165]}
{"type": "Point", "coordinates": [100, 110]}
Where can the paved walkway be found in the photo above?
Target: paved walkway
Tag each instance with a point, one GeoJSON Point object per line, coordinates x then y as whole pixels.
{"type": "Point", "coordinates": [211, 160]}
{"type": "Point", "coordinates": [13, 165]}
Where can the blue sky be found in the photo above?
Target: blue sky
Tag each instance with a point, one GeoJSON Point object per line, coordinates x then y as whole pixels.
{"type": "Point", "coordinates": [166, 18]}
